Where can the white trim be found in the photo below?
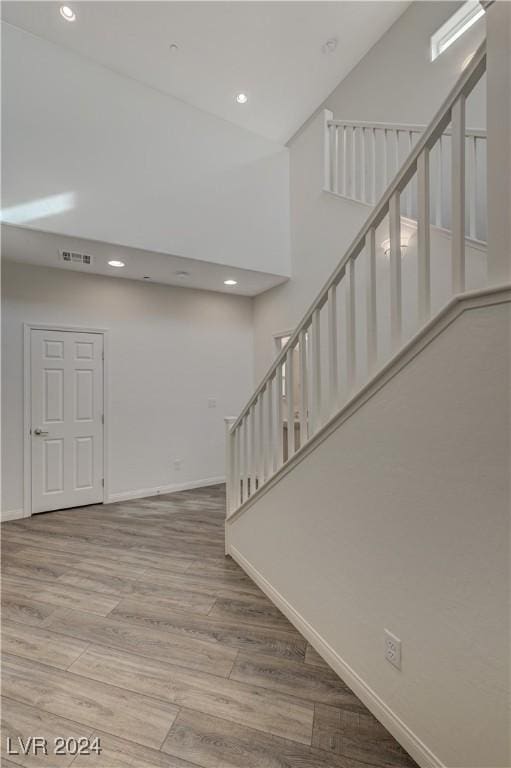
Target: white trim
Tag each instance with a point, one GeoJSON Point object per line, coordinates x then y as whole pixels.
{"type": "Point", "coordinates": [12, 514]}
{"type": "Point", "coordinates": [27, 451]}
{"type": "Point", "coordinates": [140, 493]}
{"type": "Point", "coordinates": [404, 735]}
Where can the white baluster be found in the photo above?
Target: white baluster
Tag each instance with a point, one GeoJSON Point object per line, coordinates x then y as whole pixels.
{"type": "Point", "coordinates": [229, 466]}
{"type": "Point", "coordinates": [236, 473]}
{"type": "Point", "coordinates": [279, 442]}
{"type": "Point", "coordinates": [247, 454]}
{"type": "Point", "coordinates": [253, 451]}
{"type": "Point", "coordinates": [350, 324]}
{"type": "Point", "coordinates": [409, 188]}
{"type": "Point", "coordinates": [335, 175]}
{"type": "Point", "coordinates": [327, 149]}
{"type": "Point", "coordinates": [344, 162]}
{"type": "Point", "coordinates": [315, 359]}
{"type": "Point", "coordinates": [373, 159]}
{"type": "Point", "coordinates": [370, 248]}
{"type": "Point", "coordinates": [395, 134]}
{"type": "Point", "coordinates": [458, 195]}
{"type": "Point", "coordinates": [354, 163]}
{"type": "Point", "coordinates": [362, 165]}
{"type": "Point", "coordinates": [395, 270]}
{"type": "Point", "coordinates": [290, 397]}
{"type": "Point", "coordinates": [423, 237]}
{"type": "Point", "coordinates": [472, 186]}
{"type": "Point", "coordinates": [333, 363]}
{"type": "Point", "coordinates": [262, 441]}
{"type": "Point", "coordinates": [332, 130]}
{"type": "Point", "coordinates": [270, 431]}
{"type": "Point", "coordinates": [439, 184]}
{"type": "Point", "coordinates": [243, 460]}
{"type": "Point", "coordinates": [385, 163]}
{"type": "Point", "coordinates": [304, 389]}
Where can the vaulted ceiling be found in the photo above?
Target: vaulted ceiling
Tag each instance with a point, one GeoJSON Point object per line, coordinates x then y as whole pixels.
{"type": "Point", "coordinates": [272, 51]}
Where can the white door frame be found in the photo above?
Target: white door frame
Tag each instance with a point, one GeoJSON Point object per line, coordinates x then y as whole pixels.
{"type": "Point", "coordinates": [27, 401]}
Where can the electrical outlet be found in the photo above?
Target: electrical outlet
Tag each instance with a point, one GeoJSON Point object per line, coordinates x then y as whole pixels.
{"type": "Point", "coordinates": [392, 649]}
{"type": "Point", "coordinates": [178, 463]}
{"type": "Point", "coordinates": [211, 402]}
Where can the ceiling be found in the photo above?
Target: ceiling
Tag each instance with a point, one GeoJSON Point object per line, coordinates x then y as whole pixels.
{"type": "Point", "coordinates": [43, 249]}
{"type": "Point", "coordinates": [272, 51]}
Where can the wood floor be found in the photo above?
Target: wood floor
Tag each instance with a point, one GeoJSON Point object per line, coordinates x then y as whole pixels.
{"type": "Point", "coordinates": [128, 623]}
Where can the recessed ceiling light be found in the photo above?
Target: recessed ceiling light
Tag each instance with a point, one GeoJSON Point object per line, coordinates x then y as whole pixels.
{"type": "Point", "coordinates": [182, 274]}
{"type": "Point", "coordinates": [242, 98]}
{"type": "Point", "coordinates": [173, 48]}
{"type": "Point", "coordinates": [147, 277]}
{"type": "Point", "coordinates": [230, 282]}
{"type": "Point", "coordinates": [116, 263]}
{"type": "Point", "coordinates": [67, 13]}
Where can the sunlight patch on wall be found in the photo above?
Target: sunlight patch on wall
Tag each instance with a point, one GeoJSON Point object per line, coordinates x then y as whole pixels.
{"type": "Point", "coordinates": [25, 213]}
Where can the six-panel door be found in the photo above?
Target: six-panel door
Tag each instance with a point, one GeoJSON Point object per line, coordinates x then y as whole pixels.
{"type": "Point", "coordinates": [66, 419]}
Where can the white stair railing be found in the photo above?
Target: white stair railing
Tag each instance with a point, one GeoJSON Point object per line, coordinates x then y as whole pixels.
{"type": "Point", "coordinates": [322, 359]}
{"type": "Point", "coordinates": [361, 158]}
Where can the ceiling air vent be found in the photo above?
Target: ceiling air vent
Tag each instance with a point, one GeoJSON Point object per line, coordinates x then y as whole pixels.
{"type": "Point", "coordinates": [72, 257]}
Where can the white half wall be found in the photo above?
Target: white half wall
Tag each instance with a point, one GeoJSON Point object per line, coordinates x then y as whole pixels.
{"type": "Point", "coordinates": [90, 153]}
{"type": "Point", "coordinates": [170, 350]}
{"type": "Point", "coordinates": [400, 520]}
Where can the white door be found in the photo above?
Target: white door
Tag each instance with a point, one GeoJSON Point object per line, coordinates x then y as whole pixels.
{"type": "Point", "coordinates": [66, 419]}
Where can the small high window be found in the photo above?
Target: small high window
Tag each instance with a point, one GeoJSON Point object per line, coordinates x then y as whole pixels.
{"type": "Point", "coordinates": [455, 27]}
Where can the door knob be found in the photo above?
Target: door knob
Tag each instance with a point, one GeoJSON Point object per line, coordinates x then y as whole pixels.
{"type": "Point", "coordinates": [39, 431]}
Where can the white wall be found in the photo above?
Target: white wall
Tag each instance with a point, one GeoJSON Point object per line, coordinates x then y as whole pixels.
{"type": "Point", "coordinates": [401, 520]}
{"type": "Point", "coordinates": [394, 82]}
{"type": "Point", "coordinates": [136, 167]}
{"type": "Point", "coordinates": [397, 82]}
{"type": "Point", "coordinates": [170, 349]}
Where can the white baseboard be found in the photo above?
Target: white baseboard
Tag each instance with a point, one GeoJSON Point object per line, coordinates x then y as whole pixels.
{"type": "Point", "coordinates": [140, 493]}
{"type": "Point", "coordinates": [13, 514]}
{"type": "Point", "coordinates": [408, 740]}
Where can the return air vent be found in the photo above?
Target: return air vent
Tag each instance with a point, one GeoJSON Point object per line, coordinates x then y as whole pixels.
{"type": "Point", "coordinates": [72, 257]}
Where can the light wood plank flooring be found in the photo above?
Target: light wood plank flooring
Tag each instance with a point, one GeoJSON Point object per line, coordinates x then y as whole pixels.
{"type": "Point", "coordinates": [126, 622]}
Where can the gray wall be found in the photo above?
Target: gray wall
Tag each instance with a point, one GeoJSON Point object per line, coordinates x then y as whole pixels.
{"type": "Point", "coordinates": [170, 349]}
{"type": "Point", "coordinates": [400, 520]}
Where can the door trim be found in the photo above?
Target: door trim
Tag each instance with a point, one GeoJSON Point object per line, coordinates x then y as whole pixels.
{"type": "Point", "coordinates": [27, 441]}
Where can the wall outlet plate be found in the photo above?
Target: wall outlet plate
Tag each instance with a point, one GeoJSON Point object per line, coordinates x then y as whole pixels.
{"type": "Point", "coordinates": [178, 463]}
{"type": "Point", "coordinates": [211, 402]}
{"type": "Point", "coordinates": [392, 649]}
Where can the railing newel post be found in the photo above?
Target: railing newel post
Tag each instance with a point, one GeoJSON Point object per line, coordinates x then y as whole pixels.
{"type": "Point", "coordinates": [229, 464]}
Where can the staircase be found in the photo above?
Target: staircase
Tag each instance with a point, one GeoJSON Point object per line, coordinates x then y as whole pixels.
{"type": "Point", "coordinates": [368, 475]}
{"type": "Point", "coordinates": [366, 312]}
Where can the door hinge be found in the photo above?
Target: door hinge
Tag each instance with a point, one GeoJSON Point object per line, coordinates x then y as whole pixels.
{"type": "Point", "coordinates": [102, 355]}
{"type": "Point", "coordinates": [102, 418]}
{"type": "Point", "coordinates": [103, 482]}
